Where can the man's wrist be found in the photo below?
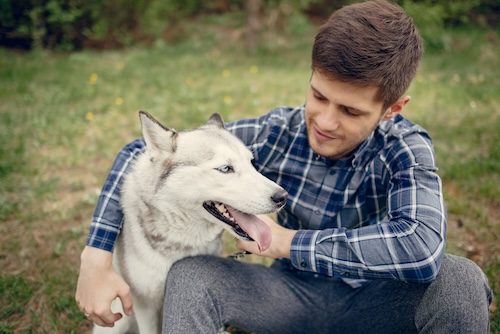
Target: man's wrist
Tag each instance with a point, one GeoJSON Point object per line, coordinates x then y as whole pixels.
{"type": "Point", "coordinates": [96, 257]}
{"type": "Point", "coordinates": [288, 236]}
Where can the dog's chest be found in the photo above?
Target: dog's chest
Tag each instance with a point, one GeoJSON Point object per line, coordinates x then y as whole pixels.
{"type": "Point", "coordinates": [146, 268]}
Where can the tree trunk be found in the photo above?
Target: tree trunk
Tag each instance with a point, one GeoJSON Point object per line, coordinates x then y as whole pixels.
{"type": "Point", "coordinates": [253, 8]}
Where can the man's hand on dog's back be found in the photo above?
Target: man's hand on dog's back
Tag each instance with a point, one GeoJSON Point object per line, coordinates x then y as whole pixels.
{"type": "Point", "coordinates": [98, 285]}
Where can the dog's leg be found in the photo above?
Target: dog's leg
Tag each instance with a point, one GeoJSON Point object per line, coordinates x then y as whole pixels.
{"type": "Point", "coordinates": [148, 318]}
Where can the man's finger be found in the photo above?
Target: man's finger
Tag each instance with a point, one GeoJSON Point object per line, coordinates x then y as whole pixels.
{"type": "Point", "coordinates": [97, 321]}
{"type": "Point", "coordinates": [126, 299]}
{"type": "Point", "coordinates": [104, 317]}
{"type": "Point", "coordinates": [249, 246]}
{"type": "Point", "coordinates": [104, 322]}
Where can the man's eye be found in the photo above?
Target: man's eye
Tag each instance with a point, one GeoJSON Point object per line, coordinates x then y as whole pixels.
{"type": "Point", "coordinates": [225, 169]}
{"type": "Point", "coordinates": [350, 111]}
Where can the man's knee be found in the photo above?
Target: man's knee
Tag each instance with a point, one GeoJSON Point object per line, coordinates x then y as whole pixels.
{"type": "Point", "coordinates": [188, 295]}
{"type": "Point", "coordinates": [466, 277]}
{"type": "Point", "coordinates": [459, 297]}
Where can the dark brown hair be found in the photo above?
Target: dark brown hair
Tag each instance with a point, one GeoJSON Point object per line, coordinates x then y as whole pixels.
{"type": "Point", "coordinates": [370, 43]}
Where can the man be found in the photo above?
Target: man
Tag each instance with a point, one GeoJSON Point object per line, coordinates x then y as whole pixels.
{"type": "Point", "coordinates": [359, 245]}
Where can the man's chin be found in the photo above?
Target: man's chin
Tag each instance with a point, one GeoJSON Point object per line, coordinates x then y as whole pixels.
{"type": "Point", "coordinates": [329, 149]}
{"type": "Point", "coordinates": [329, 152]}
{"type": "Point", "coordinates": [326, 152]}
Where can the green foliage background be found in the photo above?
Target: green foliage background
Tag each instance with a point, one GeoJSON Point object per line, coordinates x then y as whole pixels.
{"type": "Point", "coordinates": [76, 24]}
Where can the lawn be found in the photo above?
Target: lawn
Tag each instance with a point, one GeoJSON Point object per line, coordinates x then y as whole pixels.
{"type": "Point", "coordinates": [64, 116]}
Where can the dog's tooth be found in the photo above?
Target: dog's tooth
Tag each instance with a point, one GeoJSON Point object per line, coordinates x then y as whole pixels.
{"type": "Point", "coordinates": [220, 207]}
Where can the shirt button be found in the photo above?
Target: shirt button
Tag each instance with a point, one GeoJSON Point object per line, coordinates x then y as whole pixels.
{"type": "Point", "coordinates": [332, 171]}
{"type": "Point", "coordinates": [303, 263]}
{"type": "Point", "coordinates": [317, 212]}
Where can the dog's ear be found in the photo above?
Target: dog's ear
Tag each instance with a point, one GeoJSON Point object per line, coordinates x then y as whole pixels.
{"type": "Point", "coordinates": [216, 119]}
{"type": "Point", "coordinates": [157, 136]}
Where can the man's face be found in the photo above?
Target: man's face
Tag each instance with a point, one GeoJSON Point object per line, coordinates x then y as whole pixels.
{"type": "Point", "coordinates": [340, 116]}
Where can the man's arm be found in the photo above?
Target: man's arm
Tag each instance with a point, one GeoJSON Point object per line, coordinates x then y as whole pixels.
{"type": "Point", "coordinates": [408, 246]}
{"type": "Point", "coordinates": [405, 248]}
{"type": "Point", "coordinates": [107, 219]}
{"type": "Point", "coordinates": [98, 284]}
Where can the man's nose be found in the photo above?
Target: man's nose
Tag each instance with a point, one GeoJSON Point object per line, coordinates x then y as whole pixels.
{"type": "Point", "coordinates": [329, 119]}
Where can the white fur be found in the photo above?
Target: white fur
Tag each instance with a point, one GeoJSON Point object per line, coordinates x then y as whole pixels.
{"type": "Point", "coordinates": [172, 210]}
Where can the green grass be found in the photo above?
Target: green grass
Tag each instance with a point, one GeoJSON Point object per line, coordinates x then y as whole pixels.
{"type": "Point", "coordinates": [63, 117]}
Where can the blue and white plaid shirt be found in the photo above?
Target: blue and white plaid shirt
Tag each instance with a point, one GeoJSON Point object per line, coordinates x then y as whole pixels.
{"type": "Point", "coordinates": [377, 213]}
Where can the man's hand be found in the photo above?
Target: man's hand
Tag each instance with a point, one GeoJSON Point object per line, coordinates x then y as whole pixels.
{"type": "Point", "coordinates": [98, 285]}
{"type": "Point", "coordinates": [280, 244]}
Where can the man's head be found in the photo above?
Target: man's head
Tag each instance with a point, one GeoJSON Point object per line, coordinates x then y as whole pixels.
{"type": "Point", "coordinates": [372, 43]}
{"type": "Point", "coordinates": [363, 61]}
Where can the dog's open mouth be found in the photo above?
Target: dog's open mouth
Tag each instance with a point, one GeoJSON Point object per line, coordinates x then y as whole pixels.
{"type": "Point", "coordinates": [246, 226]}
{"type": "Point", "coordinates": [221, 212]}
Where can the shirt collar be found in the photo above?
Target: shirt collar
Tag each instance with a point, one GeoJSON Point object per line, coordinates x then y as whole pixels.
{"type": "Point", "coordinates": [362, 150]}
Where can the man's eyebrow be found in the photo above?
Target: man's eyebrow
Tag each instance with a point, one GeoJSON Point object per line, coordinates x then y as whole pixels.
{"type": "Point", "coordinates": [316, 91]}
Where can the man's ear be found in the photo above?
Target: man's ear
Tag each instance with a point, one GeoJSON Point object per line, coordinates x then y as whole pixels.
{"type": "Point", "coordinates": [396, 108]}
{"type": "Point", "coordinates": [158, 138]}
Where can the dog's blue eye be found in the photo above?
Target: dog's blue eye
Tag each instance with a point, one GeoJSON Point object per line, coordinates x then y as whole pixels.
{"type": "Point", "coordinates": [225, 169]}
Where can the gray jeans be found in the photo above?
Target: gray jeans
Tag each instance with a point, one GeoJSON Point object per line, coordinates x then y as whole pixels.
{"type": "Point", "coordinates": [203, 293]}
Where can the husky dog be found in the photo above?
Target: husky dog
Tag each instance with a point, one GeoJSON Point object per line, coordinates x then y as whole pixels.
{"type": "Point", "coordinates": [181, 193]}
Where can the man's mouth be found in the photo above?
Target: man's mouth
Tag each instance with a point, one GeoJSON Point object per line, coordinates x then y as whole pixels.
{"type": "Point", "coordinates": [245, 226]}
{"type": "Point", "coordinates": [322, 136]}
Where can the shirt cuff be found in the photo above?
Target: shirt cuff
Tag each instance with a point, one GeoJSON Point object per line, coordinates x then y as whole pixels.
{"type": "Point", "coordinates": [303, 248]}
{"type": "Point", "coordinates": [102, 238]}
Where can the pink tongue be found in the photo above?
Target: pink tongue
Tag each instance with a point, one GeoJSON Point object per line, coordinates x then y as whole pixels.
{"type": "Point", "coordinates": [256, 228]}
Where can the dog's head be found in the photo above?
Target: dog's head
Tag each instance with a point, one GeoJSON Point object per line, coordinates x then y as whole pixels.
{"type": "Point", "coordinates": [208, 173]}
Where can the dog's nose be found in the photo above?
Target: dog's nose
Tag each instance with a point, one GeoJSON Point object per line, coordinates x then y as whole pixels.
{"type": "Point", "coordinates": [279, 197]}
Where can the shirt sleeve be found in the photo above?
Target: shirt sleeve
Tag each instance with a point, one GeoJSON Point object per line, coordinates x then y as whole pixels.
{"type": "Point", "coordinates": [407, 246]}
{"type": "Point", "coordinates": [107, 219]}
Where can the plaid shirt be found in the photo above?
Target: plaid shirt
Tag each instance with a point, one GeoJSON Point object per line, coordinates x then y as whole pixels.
{"type": "Point", "coordinates": [377, 213]}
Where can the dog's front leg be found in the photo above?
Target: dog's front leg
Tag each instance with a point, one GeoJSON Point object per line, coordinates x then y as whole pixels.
{"type": "Point", "coordinates": [148, 319]}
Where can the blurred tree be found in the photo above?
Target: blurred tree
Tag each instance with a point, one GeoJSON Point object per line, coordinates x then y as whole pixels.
{"type": "Point", "coordinates": [253, 9]}
{"type": "Point", "coordinates": [15, 24]}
